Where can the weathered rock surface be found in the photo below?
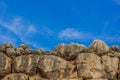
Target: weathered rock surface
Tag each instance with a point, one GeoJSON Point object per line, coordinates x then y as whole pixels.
{"type": "Point", "coordinates": [65, 62]}
{"type": "Point", "coordinates": [69, 52]}
{"type": "Point", "coordinates": [97, 79]}
{"type": "Point", "coordinates": [54, 68]}
{"type": "Point", "coordinates": [114, 48]}
{"type": "Point", "coordinates": [5, 64]}
{"type": "Point", "coordinates": [37, 77]}
{"type": "Point", "coordinates": [110, 67]}
{"type": "Point", "coordinates": [89, 66]}
{"type": "Point", "coordinates": [98, 46]}
{"type": "Point", "coordinates": [25, 64]}
{"type": "Point", "coordinates": [16, 76]}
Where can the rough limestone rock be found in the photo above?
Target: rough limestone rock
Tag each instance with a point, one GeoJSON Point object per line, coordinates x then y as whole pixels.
{"type": "Point", "coordinates": [10, 52]}
{"type": "Point", "coordinates": [16, 76]}
{"type": "Point", "coordinates": [89, 66]}
{"type": "Point", "coordinates": [65, 62]}
{"type": "Point", "coordinates": [73, 79]}
{"type": "Point", "coordinates": [25, 64]}
{"type": "Point", "coordinates": [69, 52]}
{"type": "Point", "coordinates": [14, 52]}
{"type": "Point", "coordinates": [110, 67]}
{"type": "Point", "coordinates": [97, 79]}
{"type": "Point", "coordinates": [20, 51]}
{"type": "Point", "coordinates": [38, 52]}
{"type": "Point", "coordinates": [2, 48]}
{"type": "Point", "coordinates": [99, 46]}
{"type": "Point", "coordinates": [24, 46]}
{"type": "Point", "coordinates": [48, 52]}
{"type": "Point", "coordinates": [5, 64]}
{"type": "Point", "coordinates": [114, 48]}
{"type": "Point", "coordinates": [8, 45]}
{"type": "Point", "coordinates": [53, 67]}
{"type": "Point", "coordinates": [37, 77]}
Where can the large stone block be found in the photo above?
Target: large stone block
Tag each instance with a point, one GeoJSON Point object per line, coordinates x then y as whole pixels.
{"type": "Point", "coordinates": [69, 52]}
{"type": "Point", "coordinates": [54, 68]}
{"type": "Point", "coordinates": [25, 64]}
{"type": "Point", "coordinates": [5, 64]}
{"type": "Point", "coordinates": [16, 76]}
{"type": "Point", "coordinates": [89, 66]}
{"type": "Point", "coordinates": [98, 46]}
{"type": "Point", "coordinates": [110, 67]}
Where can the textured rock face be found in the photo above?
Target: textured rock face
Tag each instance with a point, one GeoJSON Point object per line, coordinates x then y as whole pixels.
{"type": "Point", "coordinates": [97, 79]}
{"type": "Point", "coordinates": [54, 68]}
{"type": "Point", "coordinates": [110, 67]}
{"type": "Point", "coordinates": [89, 66]}
{"type": "Point", "coordinates": [69, 52]}
{"type": "Point", "coordinates": [37, 77]}
{"type": "Point", "coordinates": [5, 64]}
{"type": "Point", "coordinates": [65, 62]}
{"type": "Point", "coordinates": [16, 76]}
{"type": "Point", "coordinates": [99, 46]}
{"type": "Point", "coordinates": [25, 64]}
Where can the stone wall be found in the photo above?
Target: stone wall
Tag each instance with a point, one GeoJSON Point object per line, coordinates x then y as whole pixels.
{"type": "Point", "coordinates": [65, 62]}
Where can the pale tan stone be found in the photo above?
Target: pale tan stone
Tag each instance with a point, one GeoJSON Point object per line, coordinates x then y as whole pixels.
{"type": "Point", "coordinates": [15, 76]}
{"type": "Point", "coordinates": [110, 66]}
{"type": "Point", "coordinates": [5, 64]}
{"type": "Point", "coordinates": [89, 66]}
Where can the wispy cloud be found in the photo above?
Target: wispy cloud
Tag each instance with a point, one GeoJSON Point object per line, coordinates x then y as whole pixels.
{"type": "Point", "coordinates": [75, 34]}
{"type": "Point", "coordinates": [8, 39]}
{"type": "Point", "coordinates": [23, 29]}
{"type": "Point", "coordinates": [18, 25]}
{"type": "Point", "coordinates": [70, 33]}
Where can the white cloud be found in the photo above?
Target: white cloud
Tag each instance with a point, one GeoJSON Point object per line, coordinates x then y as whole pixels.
{"type": "Point", "coordinates": [74, 34]}
{"type": "Point", "coordinates": [25, 31]}
{"type": "Point", "coordinates": [21, 28]}
{"type": "Point", "coordinates": [70, 33]}
{"type": "Point", "coordinates": [8, 39]}
{"type": "Point", "coordinates": [31, 29]}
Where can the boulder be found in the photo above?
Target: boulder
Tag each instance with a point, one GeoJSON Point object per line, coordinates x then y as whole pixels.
{"type": "Point", "coordinates": [114, 48]}
{"type": "Point", "coordinates": [98, 46]}
{"type": "Point", "coordinates": [54, 68]}
{"type": "Point", "coordinates": [73, 79]}
{"type": "Point", "coordinates": [20, 51]}
{"type": "Point", "coordinates": [16, 76]}
{"type": "Point", "coordinates": [2, 48]}
{"type": "Point", "coordinates": [38, 52]}
{"type": "Point", "coordinates": [5, 64]}
{"type": "Point", "coordinates": [37, 77]}
{"type": "Point", "coordinates": [8, 45]}
{"type": "Point", "coordinates": [24, 46]}
{"type": "Point", "coordinates": [48, 52]}
{"type": "Point", "coordinates": [25, 64]}
{"type": "Point", "coordinates": [110, 67]}
{"type": "Point", "coordinates": [69, 52]}
{"type": "Point", "coordinates": [97, 79]}
{"type": "Point", "coordinates": [10, 52]}
{"type": "Point", "coordinates": [14, 52]}
{"type": "Point", "coordinates": [89, 66]}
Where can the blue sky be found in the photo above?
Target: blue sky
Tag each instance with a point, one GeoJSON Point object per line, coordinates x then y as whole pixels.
{"type": "Point", "coordinates": [46, 23]}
